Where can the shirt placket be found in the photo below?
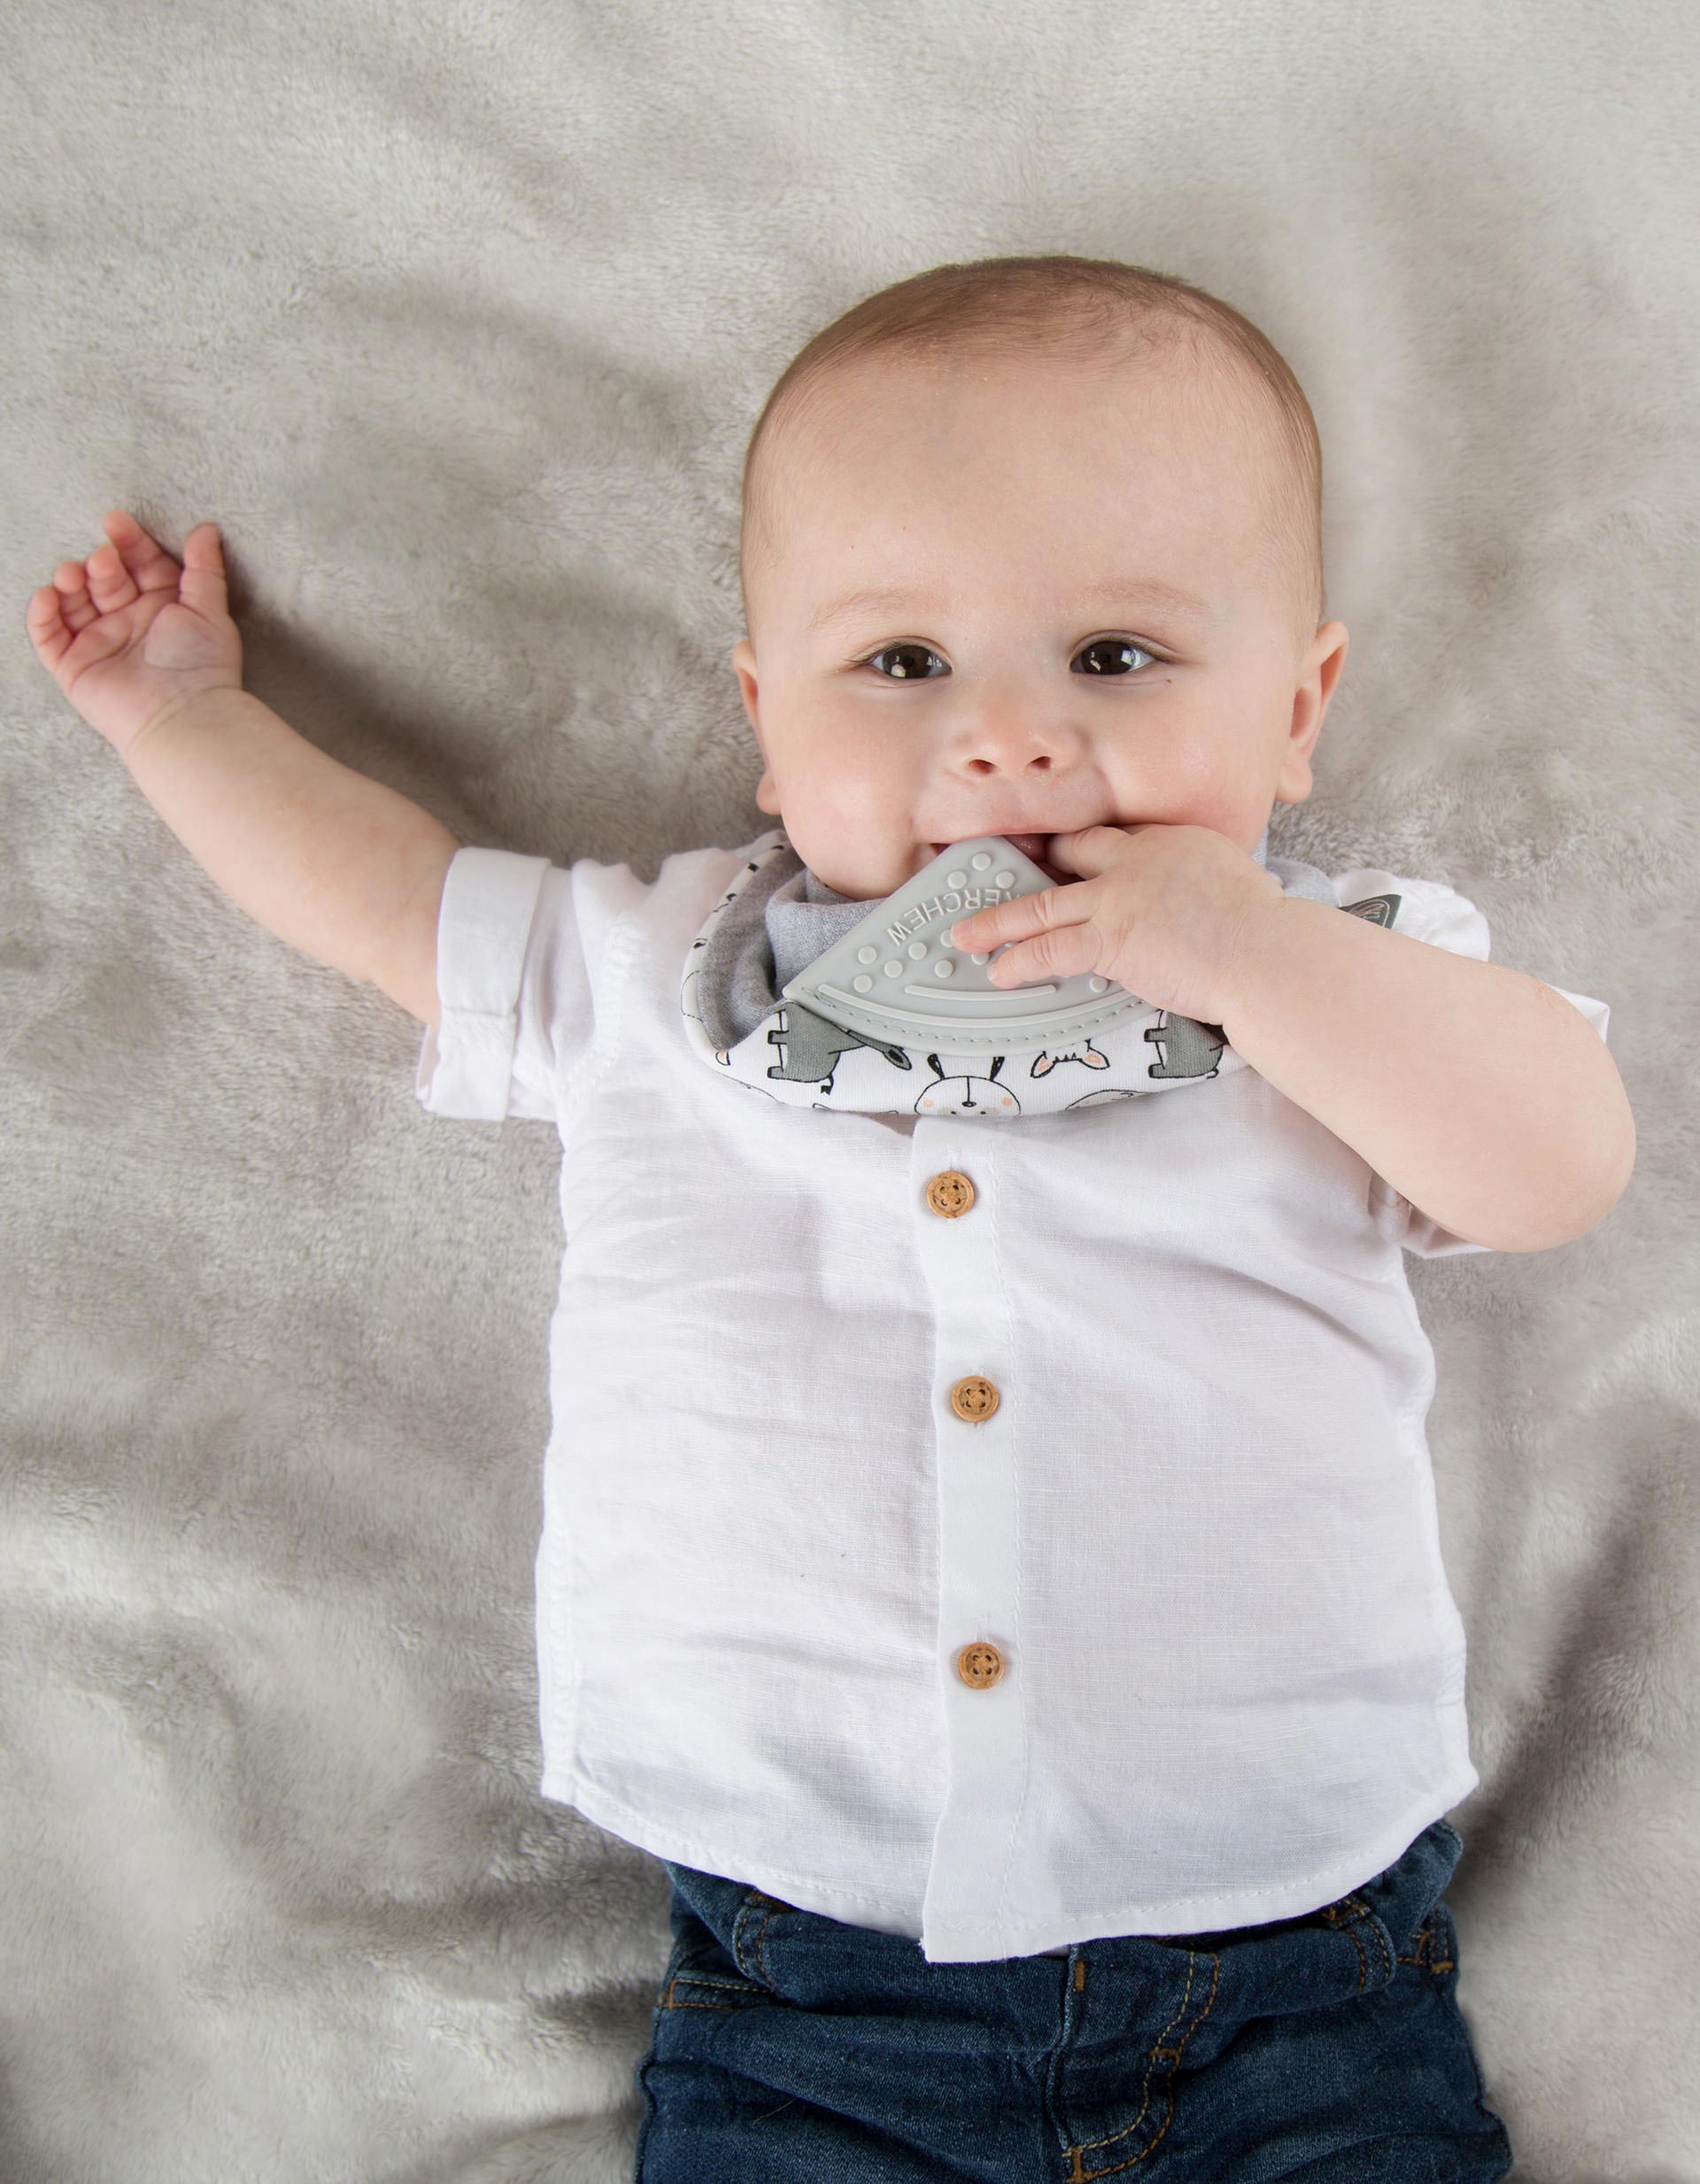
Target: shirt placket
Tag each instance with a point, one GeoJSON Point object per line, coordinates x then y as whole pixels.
{"type": "Point", "coordinates": [974, 1405]}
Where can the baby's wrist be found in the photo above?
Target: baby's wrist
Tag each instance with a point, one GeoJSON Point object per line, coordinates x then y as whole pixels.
{"type": "Point", "coordinates": [1266, 934]}
{"type": "Point", "coordinates": [180, 706]}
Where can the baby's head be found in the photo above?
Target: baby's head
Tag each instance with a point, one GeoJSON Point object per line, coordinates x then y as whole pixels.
{"type": "Point", "coordinates": [1089, 499]}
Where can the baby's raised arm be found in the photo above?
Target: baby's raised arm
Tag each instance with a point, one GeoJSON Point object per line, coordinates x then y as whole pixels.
{"type": "Point", "coordinates": [342, 867]}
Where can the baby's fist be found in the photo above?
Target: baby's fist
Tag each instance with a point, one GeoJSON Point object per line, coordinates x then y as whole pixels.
{"type": "Point", "coordinates": [131, 633]}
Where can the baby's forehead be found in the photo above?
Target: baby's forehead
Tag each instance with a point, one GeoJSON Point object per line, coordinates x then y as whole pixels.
{"type": "Point", "coordinates": [1215, 461]}
{"type": "Point", "coordinates": [1174, 415]}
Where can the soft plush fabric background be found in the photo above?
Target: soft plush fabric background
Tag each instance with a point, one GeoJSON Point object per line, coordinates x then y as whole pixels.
{"type": "Point", "coordinates": [456, 318]}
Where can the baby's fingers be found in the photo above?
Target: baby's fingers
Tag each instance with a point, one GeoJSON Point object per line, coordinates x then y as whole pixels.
{"type": "Point", "coordinates": [70, 593]}
{"type": "Point", "coordinates": [110, 582]}
{"type": "Point", "coordinates": [135, 562]}
{"type": "Point", "coordinates": [1012, 919]}
{"type": "Point", "coordinates": [204, 585]}
{"type": "Point", "coordinates": [58, 611]}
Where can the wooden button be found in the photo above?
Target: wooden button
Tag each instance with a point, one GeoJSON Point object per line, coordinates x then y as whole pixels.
{"type": "Point", "coordinates": [950, 1193]}
{"type": "Point", "coordinates": [979, 1664]}
{"type": "Point", "coordinates": [974, 1399]}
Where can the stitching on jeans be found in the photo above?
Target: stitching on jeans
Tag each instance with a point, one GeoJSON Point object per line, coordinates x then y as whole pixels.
{"type": "Point", "coordinates": [754, 1901]}
{"type": "Point", "coordinates": [1347, 1909]}
{"type": "Point", "coordinates": [1425, 1938]}
{"type": "Point", "coordinates": [704, 1979]}
{"type": "Point", "coordinates": [1353, 1936]}
{"type": "Point", "coordinates": [1159, 2053]}
{"type": "Point", "coordinates": [1371, 1925]}
{"type": "Point", "coordinates": [1351, 1915]}
{"type": "Point", "coordinates": [760, 1939]}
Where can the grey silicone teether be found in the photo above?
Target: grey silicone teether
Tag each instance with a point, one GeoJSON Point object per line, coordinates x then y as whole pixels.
{"type": "Point", "coordinates": [897, 977]}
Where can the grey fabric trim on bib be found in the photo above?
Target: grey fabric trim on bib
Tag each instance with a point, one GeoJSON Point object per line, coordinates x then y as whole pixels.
{"type": "Point", "coordinates": [777, 934]}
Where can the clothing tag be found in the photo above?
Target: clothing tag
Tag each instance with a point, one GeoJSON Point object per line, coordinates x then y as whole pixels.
{"type": "Point", "coordinates": [898, 978]}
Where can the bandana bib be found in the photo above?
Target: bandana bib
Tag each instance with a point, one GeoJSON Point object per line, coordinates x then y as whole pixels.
{"type": "Point", "coordinates": [891, 1018]}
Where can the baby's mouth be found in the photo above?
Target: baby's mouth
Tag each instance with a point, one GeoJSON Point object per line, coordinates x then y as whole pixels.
{"type": "Point", "coordinates": [1030, 845]}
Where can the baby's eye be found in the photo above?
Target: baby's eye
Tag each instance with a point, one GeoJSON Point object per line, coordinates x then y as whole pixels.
{"type": "Point", "coordinates": [905, 655]}
{"type": "Point", "coordinates": [1101, 656]}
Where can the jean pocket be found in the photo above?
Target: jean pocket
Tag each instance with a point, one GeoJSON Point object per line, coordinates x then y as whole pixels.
{"type": "Point", "coordinates": [701, 1974]}
{"type": "Point", "coordinates": [1334, 1954]}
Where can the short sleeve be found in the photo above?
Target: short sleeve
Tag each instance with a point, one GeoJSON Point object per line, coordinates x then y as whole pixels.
{"type": "Point", "coordinates": [514, 992]}
{"type": "Point", "coordinates": [1430, 910]}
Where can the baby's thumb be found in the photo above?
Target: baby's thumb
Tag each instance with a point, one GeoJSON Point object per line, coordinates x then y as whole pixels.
{"type": "Point", "coordinates": [202, 586]}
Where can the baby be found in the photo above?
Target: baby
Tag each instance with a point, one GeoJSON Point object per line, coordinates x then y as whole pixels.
{"type": "Point", "coordinates": [990, 1550]}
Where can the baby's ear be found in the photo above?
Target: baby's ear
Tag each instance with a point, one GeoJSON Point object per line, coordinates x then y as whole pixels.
{"type": "Point", "coordinates": [744, 667]}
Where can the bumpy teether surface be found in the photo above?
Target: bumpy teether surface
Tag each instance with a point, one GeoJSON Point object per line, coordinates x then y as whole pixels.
{"type": "Point", "coordinates": [897, 976]}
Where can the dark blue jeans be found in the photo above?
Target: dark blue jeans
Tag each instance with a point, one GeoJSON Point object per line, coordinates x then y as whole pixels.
{"type": "Point", "coordinates": [1328, 2048]}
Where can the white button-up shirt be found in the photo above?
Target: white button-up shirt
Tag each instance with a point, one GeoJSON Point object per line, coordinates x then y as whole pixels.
{"type": "Point", "coordinates": [1197, 1530]}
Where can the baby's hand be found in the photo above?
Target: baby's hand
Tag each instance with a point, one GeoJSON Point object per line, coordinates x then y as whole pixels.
{"type": "Point", "coordinates": [1169, 911]}
{"type": "Point", "coordinates": [140, 633]}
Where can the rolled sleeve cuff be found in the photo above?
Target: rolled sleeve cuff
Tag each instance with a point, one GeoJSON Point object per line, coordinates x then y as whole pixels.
{"type": "Point", "coordinates": [466, 1064]}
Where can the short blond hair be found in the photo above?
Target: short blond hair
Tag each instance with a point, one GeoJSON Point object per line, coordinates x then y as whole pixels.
{"type": "Point", "coordinates": [1076, 309]}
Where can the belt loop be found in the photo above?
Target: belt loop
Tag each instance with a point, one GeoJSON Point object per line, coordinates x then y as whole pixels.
{"type": "Point", "coordinates": [748, 1928]}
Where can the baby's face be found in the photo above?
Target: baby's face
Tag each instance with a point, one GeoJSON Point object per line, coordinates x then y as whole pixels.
{"type": "Point", "coordinates": [1022, 672]}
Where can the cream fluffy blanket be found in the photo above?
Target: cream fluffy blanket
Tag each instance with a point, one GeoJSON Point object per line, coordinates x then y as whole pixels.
{"type": "Point", "coordinates": [456, 318]}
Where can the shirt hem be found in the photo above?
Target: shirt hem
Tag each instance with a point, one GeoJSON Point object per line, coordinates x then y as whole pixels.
{"type": "Point", "coordinates": [965, 1938]}
{"type": "Point", "coordinates": [666, 1842]}
{"type": "Point", "coordinates": [968, 1939]}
